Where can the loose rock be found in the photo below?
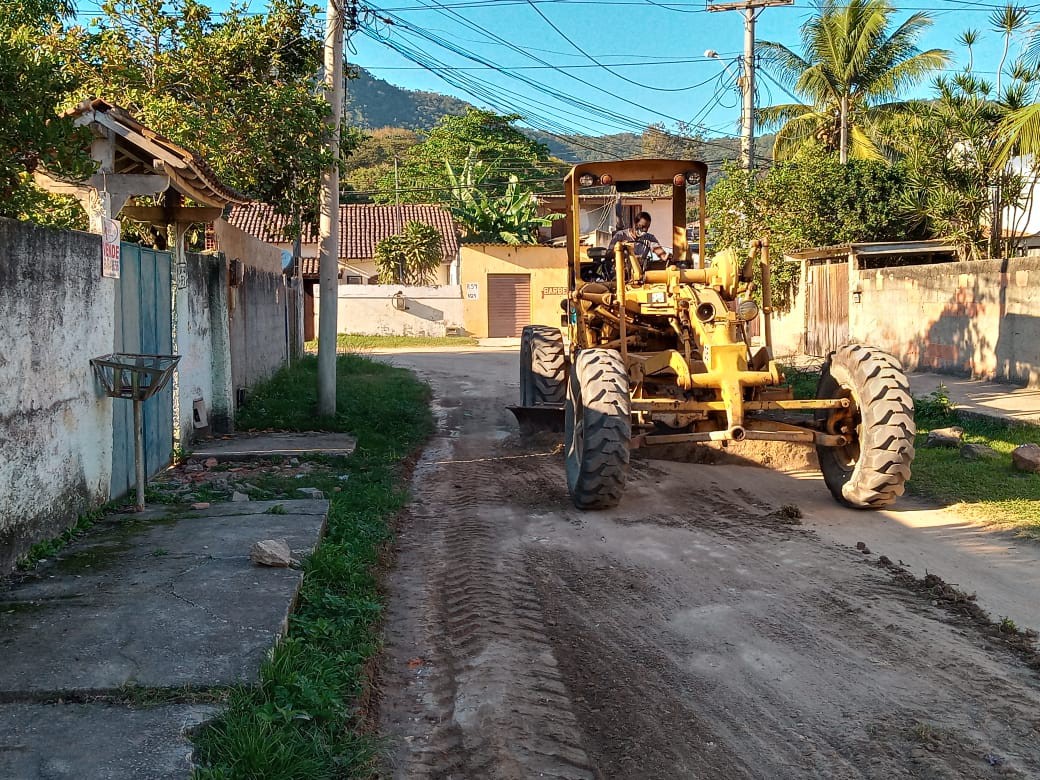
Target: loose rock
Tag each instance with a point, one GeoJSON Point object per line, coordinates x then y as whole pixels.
{"type": "Point", "coordinates": [945, 437]}
{"type": "Point", "coordinates": [271, 552]}
{"type": "Point", "coordinates": [210, 463]}
{"type": "Point", "coordinates": [1026, 457]}
{"type": "Point", "coordinates": [978, 452]}
{"type": "Point", "coordinates": [200, 505]}
{"type": "Point", "coordinates": [236, 496]}
{"type": "Point", "coordinates": [311, 492]}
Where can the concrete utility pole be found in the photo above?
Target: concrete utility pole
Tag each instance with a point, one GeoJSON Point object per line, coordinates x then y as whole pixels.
{"type": "Point", "coordinates": [750, 10]}
{"type": "Point", "coordinates": [328, 222]}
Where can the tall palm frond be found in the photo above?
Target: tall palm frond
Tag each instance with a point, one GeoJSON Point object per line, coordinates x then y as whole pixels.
{"type": "Point", "coordinates": [851, 65]}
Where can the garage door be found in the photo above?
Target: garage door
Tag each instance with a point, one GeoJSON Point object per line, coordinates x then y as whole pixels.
{"type": "Point", "coordinates": [509, 304]}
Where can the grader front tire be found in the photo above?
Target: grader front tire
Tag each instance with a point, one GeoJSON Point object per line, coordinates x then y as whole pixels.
{"type": "Point", "coordinates": [543, 366]}
{"type": "Point", "coordinates": [872, 471]}
{"type": "Point", "coordinates": [598, 429]}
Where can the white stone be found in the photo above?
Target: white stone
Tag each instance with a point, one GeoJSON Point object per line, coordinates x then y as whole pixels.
{"type": "Point", "coordinates": [271, 552]}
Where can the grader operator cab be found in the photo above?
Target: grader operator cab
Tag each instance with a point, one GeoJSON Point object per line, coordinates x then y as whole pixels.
{"type": "Point", "coordinates": [661, 353]}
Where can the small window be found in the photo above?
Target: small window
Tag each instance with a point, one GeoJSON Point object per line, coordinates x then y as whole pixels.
{"type": "Point", "coordinates": [355, 280]}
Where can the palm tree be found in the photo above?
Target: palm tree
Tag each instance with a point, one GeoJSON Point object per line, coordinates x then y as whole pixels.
{"type": "Point", "coordinates": [1007, 21]}
{"type": "Point", "coordinates": [968, 39]}
{"type": "Point", "coordinates": [850, 73]}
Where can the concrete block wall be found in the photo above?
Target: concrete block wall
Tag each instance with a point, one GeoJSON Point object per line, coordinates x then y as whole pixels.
{"type": "Point", "coordinates": [56, 312]}
{"type": "Point", "coordinates": [978, 318]}
{"type": "Point", "coordinates": [370, 310]}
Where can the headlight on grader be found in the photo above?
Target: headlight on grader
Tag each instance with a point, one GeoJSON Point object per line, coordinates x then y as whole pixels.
{"type": "Point", "coordinates": [706, 312]}
{"type": "Point", "coordinates": [747, 311]}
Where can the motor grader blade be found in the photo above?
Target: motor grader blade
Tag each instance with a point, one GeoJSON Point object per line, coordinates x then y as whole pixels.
{"type": "Point", "coordinates": [546, 418]}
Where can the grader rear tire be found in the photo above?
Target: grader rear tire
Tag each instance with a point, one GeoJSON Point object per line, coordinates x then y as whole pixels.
{"type": "Point", "coordinates": [870, 472]}
{"type": "Point", "coordinates": [543, 366]}
{"type": "Point", "coordinates": [598, 429]}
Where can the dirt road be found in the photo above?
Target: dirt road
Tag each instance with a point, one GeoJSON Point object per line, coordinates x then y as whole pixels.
{"type": "Point", "coordinates": [694, 632]}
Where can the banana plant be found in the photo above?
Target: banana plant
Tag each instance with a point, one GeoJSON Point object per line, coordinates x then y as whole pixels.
{"type": "Point", "coordinates": [510, 217]}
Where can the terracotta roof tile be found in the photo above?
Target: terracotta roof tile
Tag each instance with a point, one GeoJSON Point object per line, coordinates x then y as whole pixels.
{"type": "Point", "coordinates": [361, 226]}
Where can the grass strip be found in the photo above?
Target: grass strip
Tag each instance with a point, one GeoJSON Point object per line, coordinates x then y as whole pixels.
{"type": "Point", "coordinates": [301, 720]}
{"type": "Point", "coordinates": [990, 489]}
{"type": "Point", "coordinates": [354, 342]}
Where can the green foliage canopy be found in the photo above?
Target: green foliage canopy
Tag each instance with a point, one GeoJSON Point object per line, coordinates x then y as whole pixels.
{"type": "Point", "coordinates": [811, 201]}
{"type": "Point", "coordinates": [32, 83]}
{"type": "Point", "coordinates": [241, 91]}
{"type": "Point", "coordinates": [500, 146]}
{"type": "Point", "coordinates": [411, 257]}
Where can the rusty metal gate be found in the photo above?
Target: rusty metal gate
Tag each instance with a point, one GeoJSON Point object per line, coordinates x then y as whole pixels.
{"type": "Point", "coordinates": [509, 304]}
{"type": "Point", "coordinates": [827, 308]}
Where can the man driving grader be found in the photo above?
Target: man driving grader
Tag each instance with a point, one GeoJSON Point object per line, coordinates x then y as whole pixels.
{"type": "Point", "coordinates": [661, 354]}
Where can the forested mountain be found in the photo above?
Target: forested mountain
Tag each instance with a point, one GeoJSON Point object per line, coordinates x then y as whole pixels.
{"type": "Point", "coordinates": [374, 103]}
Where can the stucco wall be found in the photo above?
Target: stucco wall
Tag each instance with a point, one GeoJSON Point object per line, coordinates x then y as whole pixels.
{"type": "Point", "coordinates": [56, 312]}
{"type": "Point", "coordinates": [788, 328]}
{"type": "Point", "coordinates": [203, 341]}
{"type": "Point", "coordinates": [370, 310]}
{"type": "Point", "coordinates": [256, 307]}
{"type": "Point", "coordinates": [980, 318]}
{"type": "Point", "coordinates": [547, 267]}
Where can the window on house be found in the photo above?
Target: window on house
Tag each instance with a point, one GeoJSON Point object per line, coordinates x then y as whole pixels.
{"type": "Point", "coordinates": [355, 280]}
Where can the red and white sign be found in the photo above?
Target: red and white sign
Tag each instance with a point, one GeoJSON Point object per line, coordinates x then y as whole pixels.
{"type": "Point", "coordinates": [110, 232]}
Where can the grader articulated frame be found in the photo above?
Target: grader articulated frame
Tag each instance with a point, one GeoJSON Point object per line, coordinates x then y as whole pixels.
{"type": "Point", "coordinates": [661, 353]}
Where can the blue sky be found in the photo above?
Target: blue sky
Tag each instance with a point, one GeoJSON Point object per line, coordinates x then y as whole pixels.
{"type": "Point", "coordinates": [585, 84]}
{"type": "Point", "coordinates": [657, 45]}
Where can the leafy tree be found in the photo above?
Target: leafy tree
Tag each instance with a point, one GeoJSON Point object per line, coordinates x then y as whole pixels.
{"type": "Point", "coordinates": [372, 160]}
{"type": "Point", "coordinates": [32, 83]}
{"type": "Point", "coordinates": [658, 142]}
{"type": "Point", "coordinates": [240, 91]}
{"type": "Point", "coordinates": [814, 200]}
{"type": "Point", "coordinates": [411, 257]}
{"type": "Point", "coordinates": [850, 73]}
{"type": "Point", "coordinates": [492, 138]}
{"type": "Point", "coordinates": [511, 217]}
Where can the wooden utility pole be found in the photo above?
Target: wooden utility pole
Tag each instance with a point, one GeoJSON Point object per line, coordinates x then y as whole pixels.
{"type": "Point", "coordinates": [328, 221]}
{"type": "Point", "coordinates": [750, 10]}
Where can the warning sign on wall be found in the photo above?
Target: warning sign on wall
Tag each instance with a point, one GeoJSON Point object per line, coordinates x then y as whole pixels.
{"type": "Point", "coordinates": [110, 231]}
{"type": "Point", "coordinates": [472, 291]}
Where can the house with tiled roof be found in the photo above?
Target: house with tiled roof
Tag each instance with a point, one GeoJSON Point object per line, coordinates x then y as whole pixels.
{"type": "Point", "coordinates": [361, 227]}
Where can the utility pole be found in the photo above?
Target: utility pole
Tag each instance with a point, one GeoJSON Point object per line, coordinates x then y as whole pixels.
{"type": "Point", "coordinates": [750, 10]}
{"type": "Point", "coordinates": [328, 221]}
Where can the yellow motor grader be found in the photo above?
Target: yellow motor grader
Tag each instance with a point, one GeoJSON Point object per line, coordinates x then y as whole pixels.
{"type": "Point", "coordinates": [660, 352]}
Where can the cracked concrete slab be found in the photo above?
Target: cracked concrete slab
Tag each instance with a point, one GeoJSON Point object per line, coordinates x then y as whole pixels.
{"type": "Point", "coordinates": [249, 446]}
{"type": "Point", "coordinates": [98, 741]}
{"type": "Point", "coordinates": [153, 601]}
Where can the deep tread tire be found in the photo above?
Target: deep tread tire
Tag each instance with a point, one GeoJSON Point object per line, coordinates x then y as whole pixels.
{"type": "Point", "coordinates": [543, 366]}
{"type": "Point", "coordinates": [871, 472]}
{"type": "Point", "coordinates": [598, 429]}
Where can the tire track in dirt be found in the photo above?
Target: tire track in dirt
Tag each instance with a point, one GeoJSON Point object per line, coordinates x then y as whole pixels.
{"type": "Point", "coordinates": [694, 632]}
{"type": "Point", "coordinates": [485, 690]}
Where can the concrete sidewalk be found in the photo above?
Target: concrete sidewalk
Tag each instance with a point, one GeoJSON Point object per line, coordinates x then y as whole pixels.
{"type": "Point", "coordinates": [144, 607]}
{"type": "Point", "coordinates": [976, 396]}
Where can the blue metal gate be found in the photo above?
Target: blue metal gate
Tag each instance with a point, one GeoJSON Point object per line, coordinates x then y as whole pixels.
{"type": "Point", "coordinates": [144, 324]}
